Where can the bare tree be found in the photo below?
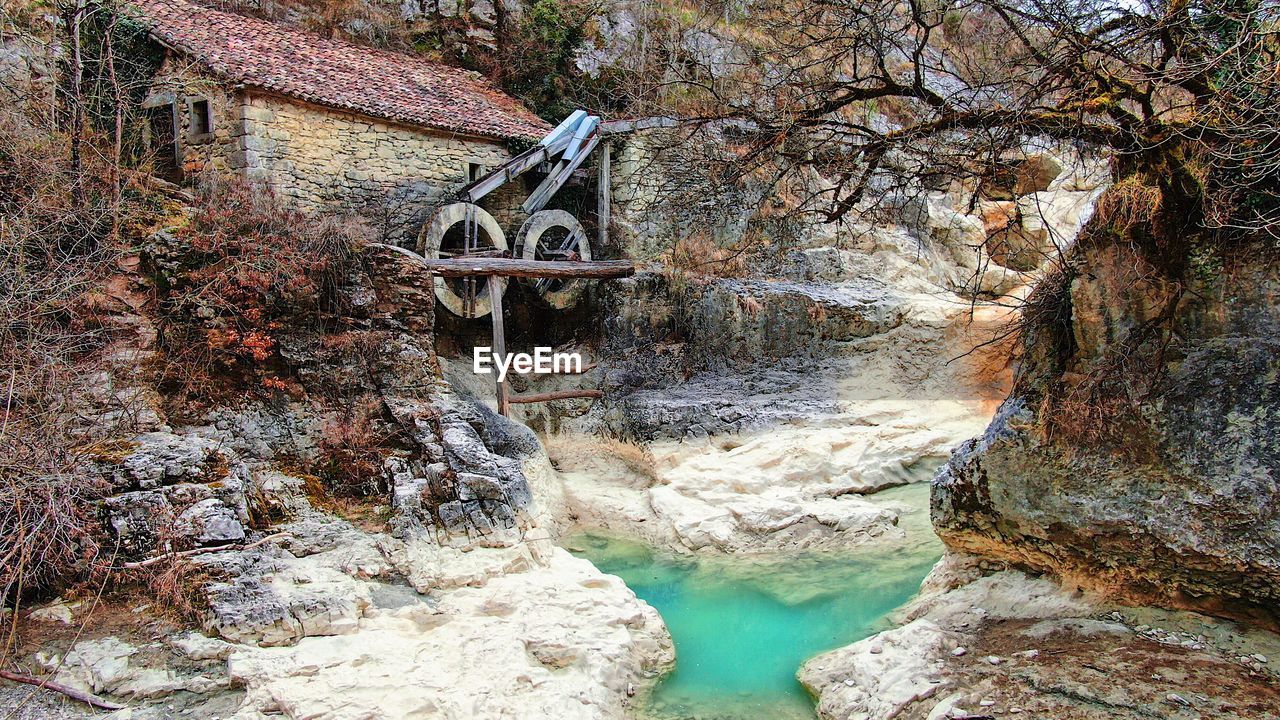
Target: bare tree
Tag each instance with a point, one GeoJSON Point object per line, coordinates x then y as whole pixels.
{"type": "Point", "coordinates": [851, 104]}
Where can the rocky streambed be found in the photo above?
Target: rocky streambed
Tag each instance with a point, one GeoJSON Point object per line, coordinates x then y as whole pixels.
{"type": "Point", "coordinates": [479, 611]}
{"type": "Point", "coordinates": [727, 534]}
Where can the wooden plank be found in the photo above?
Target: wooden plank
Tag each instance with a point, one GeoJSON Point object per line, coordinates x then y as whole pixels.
{"type": "Point", "coordinates": [574, 154]}
{"type": "Point", "coordinates": [557, 178]}
{"type": "Point", "coordinates": [517, 267]}
{"type": "Point", "coordinates": [621, 127]}
{"type": "Point", "coordinates": [499, 340]}
{"type": "Point", "coordinates": [514, 167]}
{"type": "Point", "coordinates": [566, 125]}
{"type": "Point", "coordinates": [580, 135]}
{"type": "Point", "coordinates": [603, 199]}
{"type": "Point", "coordinates": [555, 395]}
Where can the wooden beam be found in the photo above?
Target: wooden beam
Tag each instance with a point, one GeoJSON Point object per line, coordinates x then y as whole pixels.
{"type": "Point", "coordinates": [517, 267]}
{"type": "Point", "coordinates": [499, 340]}
{"type": "Point", "coordinates": [620, 127]}
{"type": "Point", "coordinates": [555, 395]}
{"type": "Point", "coordinates": [84, 697]}
{"type": "Point", "coordinates": [514, 167]}
{"type": "Point", "coordinates": [559, 174]}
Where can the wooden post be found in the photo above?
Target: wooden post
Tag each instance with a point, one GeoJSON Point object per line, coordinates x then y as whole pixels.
{"type": "Point", "coordinates": [499, 341]}
{"type": "Point", "coordinates": [603, 195]}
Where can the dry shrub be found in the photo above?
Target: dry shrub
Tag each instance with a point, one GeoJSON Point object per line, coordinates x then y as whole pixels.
{"type": "Point", "coordinates": [248, 271]}
{"type": "Point", "coordinates": [352, 448]}
{"type": "Point", "coordinates": [1102, 385]}
{"type": "Point", "coordinates": [577, 453]}
{"type": "Point", "coordinates": [175, 587]}
{"type": "Point", "coordinates": [636, 457]}
{"type": "Point", "coordinates": [1100, 409]}
{"type": "Point", "coordinates": [56, 244]}
{"type": "Point", "coordinates": [46, 530]}
{"type": "Point", "coordinates": [698, 254]}
{"type": "Point", "coordinates": [1126, 205]}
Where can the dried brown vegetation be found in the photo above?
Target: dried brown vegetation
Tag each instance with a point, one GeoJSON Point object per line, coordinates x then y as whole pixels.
{"type": "Point", "coordinates": [854, 107]}
{"type": "Point", "coordinates": [241, 273]}
{"type": "Point", "coordinates": [58, 217]}
{"type": "Point", "coordinates": [352, 448]}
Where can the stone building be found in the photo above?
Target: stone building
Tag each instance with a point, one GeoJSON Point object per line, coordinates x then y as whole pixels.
{"type": "Point", "coordinates": [327, 124]}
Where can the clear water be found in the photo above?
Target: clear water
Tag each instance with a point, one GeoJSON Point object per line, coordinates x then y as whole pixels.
{"type": "Point", "coordinates": [743, 626]}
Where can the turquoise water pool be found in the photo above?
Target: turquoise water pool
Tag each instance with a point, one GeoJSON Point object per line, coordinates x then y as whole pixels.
{"type": "Point", "coordinates": [742, 626]}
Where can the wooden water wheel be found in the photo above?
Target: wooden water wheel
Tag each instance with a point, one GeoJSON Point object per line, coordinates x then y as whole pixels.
{"type": "Point", "coordinates": [554, 235]}
{"type": "Point", "coordinates": [458, 231]}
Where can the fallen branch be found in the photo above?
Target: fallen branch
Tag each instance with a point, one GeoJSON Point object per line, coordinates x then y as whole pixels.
{"type": "Point", "coordinates": [84, 697]}
{"type": "Point", "coordinates": [557, 395]}
{"type": "Point", "coordinates": [585, 369]}
{"type": "Point", "coordinates": [202, 551]}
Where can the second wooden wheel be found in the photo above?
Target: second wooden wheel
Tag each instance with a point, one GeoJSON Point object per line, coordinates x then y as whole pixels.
{"type": "Point", "coordinates": [554, 235]}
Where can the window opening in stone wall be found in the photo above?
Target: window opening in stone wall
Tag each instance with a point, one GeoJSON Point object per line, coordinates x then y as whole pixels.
{"type": "Point", "coordinates": [201, 117]}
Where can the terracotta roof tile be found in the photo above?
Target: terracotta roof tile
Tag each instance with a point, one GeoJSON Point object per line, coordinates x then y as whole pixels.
{"type": "Point", "coordinates": [337, 74]}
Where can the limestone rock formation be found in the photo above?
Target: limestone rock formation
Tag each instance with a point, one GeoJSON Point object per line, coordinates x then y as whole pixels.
{"type": "Point", "coordinates": [980, 641]}
{"type": "Point", "coordinates": [554, 638]}
{"type": "Point", "coordinates": [172, 487]}
{"type": "Point", "coordinates": [1137, 454]}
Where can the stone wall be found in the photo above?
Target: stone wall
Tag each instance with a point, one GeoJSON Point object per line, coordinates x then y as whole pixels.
{"type": "Point", "coordinates": [394, 175]}
{"type": "Point", "coordinates": [179, 81]}
{"type": "Point", "coordinates": [329, 160]}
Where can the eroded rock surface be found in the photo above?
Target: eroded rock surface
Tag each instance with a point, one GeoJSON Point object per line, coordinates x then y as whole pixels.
{"type": "Point", "coordinates": [172, 488]}
{"type": "Point", "coordinates": [334, 622]}
{"type": "Point", "coordinates": [555, 638]}
{"type": "Point", "coordinates": [1167, 498]}
{"type": "Point", "coordinates": [999, 643]}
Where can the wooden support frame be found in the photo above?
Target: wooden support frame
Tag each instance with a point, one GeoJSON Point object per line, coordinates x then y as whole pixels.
{"type": "Point", "coordinates": [554, 395]}
{"type": "Point", "coordinates": [493, 268]}
{"type": "Point", "coordinates": [573, 139]}
{"type": "Point", "coordinates": [558, 177]}
{"type": "Point", "coordinates": [499, 338]}
{"type": "Point", "coordinates": [521, 163]}
{"type": "Point", "coordinates": [603, 194]}
{"type": "Point", "coordinates": [519, 267]}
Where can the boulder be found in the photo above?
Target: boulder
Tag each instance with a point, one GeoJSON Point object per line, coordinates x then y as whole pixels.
{"type": "Point", "coordinates": [1169, 500]}
{"type": "Point", "coordinates": [162, 458]}
{"type": "Point", "coordinates": [313, 586]}
{"type": "Point", "coordinates": [882, 675]}
{"type": "Point", "coordinates": [209, 522]}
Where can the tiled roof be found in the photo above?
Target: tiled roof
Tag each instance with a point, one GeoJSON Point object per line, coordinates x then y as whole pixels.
{"type": "Point", "coordinates": [337, 74]}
